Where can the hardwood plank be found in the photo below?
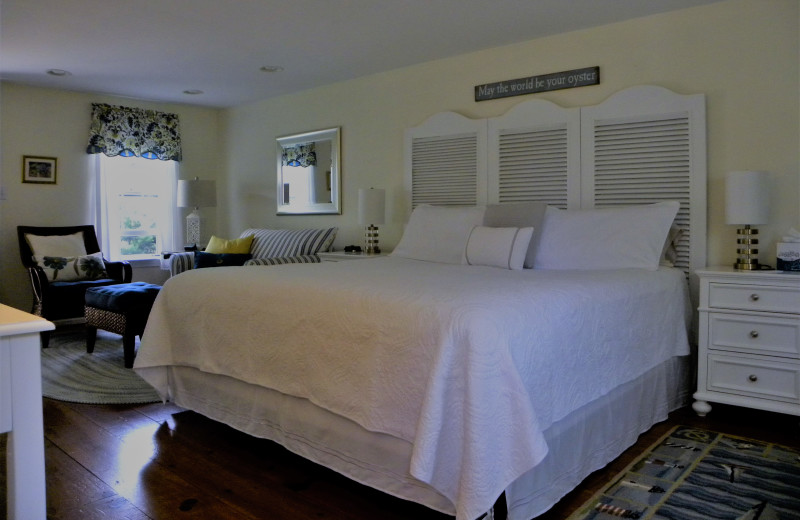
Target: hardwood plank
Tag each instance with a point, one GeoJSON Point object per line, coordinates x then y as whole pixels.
{"type": "Point", "coordinates": [72, 491]}
{"type": "Point", "coordinates": [127, 465]}
{"type": "Point", "coordinates": [69, 485]}
{"type": "Point", "coordinates": [152, 461]}
{"type": "Point", "coordinates": [159, 412]}
{"type": "Point", "coordinates": [248, 480]}
{"type": "Point", "coordinates": [95, 448]}
{"type": "Point", "coordinates": [268, 480]}
{"type": "Point", "coordinates": [241, 472]}
{"type": "Point", "coordinates": [114, 507]}
{"type": "Point", "coordinates": [118, 420]}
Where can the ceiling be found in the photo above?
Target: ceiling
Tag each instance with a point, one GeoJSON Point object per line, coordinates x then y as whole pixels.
{"type": "Point", "coordinates": [158, 49]}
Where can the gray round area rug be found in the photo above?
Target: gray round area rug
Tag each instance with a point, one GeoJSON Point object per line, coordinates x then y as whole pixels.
{"type": "Point", "coordinates": [71, 374]}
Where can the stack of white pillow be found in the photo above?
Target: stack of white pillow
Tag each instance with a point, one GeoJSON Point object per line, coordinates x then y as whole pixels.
{"type": "Point", "coordinates": [534, 235]}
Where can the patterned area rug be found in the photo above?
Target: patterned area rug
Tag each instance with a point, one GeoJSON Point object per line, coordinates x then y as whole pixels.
{"type": "Point", "coordinates": [693, 474]}
{"type": "Point", "coordinates": [69, 373]}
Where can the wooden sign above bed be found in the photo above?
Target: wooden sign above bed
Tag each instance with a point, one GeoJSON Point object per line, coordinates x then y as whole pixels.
{"type": "Point", "coordinates": [534, 84]}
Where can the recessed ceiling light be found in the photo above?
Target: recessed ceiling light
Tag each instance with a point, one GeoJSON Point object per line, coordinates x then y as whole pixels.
{"type": "Point", "coordinates": [193, 92]}
{"type": "Point", "coordinates": [271, 68]}
{"type": "Point", "coordinates": [59, 72]}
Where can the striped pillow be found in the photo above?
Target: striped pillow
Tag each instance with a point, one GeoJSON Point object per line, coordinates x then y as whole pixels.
{"type": "Point", "coordinates": [270, 243]}
{"type": "Point", "coordinates": [280, 260]}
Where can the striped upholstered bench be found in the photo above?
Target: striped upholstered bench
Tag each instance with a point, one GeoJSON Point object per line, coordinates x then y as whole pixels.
{"type": "Point", "coordinates": [272, 247]}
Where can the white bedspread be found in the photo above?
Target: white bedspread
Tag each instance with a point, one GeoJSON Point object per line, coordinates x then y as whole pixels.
{"type": "Point", "coordinates": [469, 364]}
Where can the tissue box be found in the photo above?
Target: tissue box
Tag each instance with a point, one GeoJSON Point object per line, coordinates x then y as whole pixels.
{"type": "Point", "coordinates": [788, 256]}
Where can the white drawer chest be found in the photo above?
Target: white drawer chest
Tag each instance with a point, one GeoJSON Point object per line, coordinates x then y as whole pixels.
{"type": "Point", "coordinates": [749, 340]}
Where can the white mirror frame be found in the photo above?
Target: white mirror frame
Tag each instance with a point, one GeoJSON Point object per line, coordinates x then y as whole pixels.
{"type": "Point", "coordinates": [334, 206]}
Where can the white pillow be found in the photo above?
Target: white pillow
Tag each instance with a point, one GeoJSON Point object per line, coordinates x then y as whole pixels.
{"type": "Point", "coordinates": [609, 238]}
{"type": "Point", "coordinates": [57, 245]}
{"type": "Point", "coordinates": [70, 269]}
{"type": "Point", "coordinates": [438, 233]}
{"type": "Point", "coordinates": [518, 214]}
{"type": "Point", "coordinates": [498, 247]}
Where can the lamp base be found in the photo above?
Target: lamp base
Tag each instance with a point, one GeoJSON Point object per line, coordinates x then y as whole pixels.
{"type": "Point", "coordinates": [371, 241]}
{"type": "Point", "coordinates": [193, 228]}
{"type": "Point", "coordinates": [748, 255]}
{"type": "Point", "coordinates": [752, 265]}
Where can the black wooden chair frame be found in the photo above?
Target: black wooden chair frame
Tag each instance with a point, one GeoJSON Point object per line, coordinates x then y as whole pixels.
{"type": "Point", "coordinates": [43, 293]}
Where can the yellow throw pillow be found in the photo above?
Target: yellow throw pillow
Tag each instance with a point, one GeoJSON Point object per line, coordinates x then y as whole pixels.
{"type": "Point", "coordinates": [221, 246]}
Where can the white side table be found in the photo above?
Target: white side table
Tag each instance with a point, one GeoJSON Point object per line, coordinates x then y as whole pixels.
{"type": "Point", "coordinates": [21, 411]}
{"type": "Point", "coordinates": [340, 256]}
{"type": "Point", "coordinates": [749, 340]}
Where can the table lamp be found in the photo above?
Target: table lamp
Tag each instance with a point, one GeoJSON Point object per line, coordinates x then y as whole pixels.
{"type": "Point", "coordinates": [196, 194]}
{"type": "Point", "coordinates": [747, 204]}
{"type": "Point", "coordinates": [371, 212]}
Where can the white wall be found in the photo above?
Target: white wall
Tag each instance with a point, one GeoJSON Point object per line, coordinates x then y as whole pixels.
{"type": "Point", "coordinates": [54, 123]}
{"type": "Point", "coordinates": [743, 54]}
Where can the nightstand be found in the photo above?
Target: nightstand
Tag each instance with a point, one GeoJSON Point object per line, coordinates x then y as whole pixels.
{"type": "Point", "coordinates": [340, 256]}
{"type": "Point", "coordinates": [749, 340]}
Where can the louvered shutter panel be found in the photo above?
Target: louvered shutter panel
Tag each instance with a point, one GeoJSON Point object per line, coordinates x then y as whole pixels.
{"type": "Point", "coordinates": [444, 170]}
{"type": "Point", "coordinates": [447, 165]}
{"type": "Point", "coordinates": [639, 162]}
{"type": "Point", "coordinates": [631, 155]}
{"type": "Point", "coordinates": [534, 155]}
{"type": "Point", "coordinates": [643, 144]}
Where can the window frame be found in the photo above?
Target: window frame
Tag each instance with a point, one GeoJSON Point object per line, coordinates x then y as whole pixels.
{"type": "Point", "coordinates": [170, 236]}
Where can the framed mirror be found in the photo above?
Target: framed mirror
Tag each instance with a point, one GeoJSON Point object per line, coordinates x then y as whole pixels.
{"type": "Point", "coordinates": [308, 173]}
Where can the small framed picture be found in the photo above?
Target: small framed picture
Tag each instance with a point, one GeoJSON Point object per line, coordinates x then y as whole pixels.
{"type": "Point", "coordinates": [40, 170]}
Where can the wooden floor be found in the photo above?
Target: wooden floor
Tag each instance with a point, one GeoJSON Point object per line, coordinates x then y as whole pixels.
{"type": "Point", "coordinates": [156, 461]}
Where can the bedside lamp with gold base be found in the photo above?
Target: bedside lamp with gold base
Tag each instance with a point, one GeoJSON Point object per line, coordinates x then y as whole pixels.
{"type": "Point", "coordinates": [747, 204]}
{"type": "Point", "coordinates": [371, 211]}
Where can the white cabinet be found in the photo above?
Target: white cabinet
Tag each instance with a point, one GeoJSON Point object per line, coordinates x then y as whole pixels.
{"type": "Point", "coordinates": [749, 340]}
{"type": "Point", "coordinates": [21, 412]}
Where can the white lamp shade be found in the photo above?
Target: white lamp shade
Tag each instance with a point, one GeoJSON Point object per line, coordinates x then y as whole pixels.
{"type": "Point", "coordinates": [371, 206]}
{"type": "Point", "coordinates": [197, 194]}
{"type": "Point", "coordinates": [747, 197]}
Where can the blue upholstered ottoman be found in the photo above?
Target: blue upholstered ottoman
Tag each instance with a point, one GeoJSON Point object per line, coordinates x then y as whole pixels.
{"type": "Point", "coordinates": [122, 309]}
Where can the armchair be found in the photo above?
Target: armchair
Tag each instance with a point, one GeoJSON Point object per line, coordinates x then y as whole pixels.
{"type": "Point", "coordinates": [55, 299]}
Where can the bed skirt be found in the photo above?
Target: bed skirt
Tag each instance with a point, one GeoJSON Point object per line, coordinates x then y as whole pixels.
{"type": "Point", "coordinates": [582, 442]}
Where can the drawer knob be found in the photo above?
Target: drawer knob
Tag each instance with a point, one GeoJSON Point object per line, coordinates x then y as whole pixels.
{"type": "Point", "coordinates": [754, 334]}
{"type": "Point", "coordinates": [754, 297]}
{"type": "Point", "coordinates": [753, 378]}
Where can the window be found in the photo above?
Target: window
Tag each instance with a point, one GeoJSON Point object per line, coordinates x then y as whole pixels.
{"type": "Point", "coordinates": [136, 207]}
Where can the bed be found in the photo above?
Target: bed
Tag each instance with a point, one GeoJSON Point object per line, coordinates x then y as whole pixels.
{"type": "Point", "coordinates": [501, 350]}
{"type": "Point", "coordinates": [460, 371]}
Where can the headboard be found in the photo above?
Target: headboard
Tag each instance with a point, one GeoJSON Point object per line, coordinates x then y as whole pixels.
{"type": "Point", "coordinates": [642, 145]}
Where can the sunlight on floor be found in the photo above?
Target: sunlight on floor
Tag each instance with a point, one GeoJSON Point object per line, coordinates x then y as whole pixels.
{"type": "Point", "coordinates": [137, 449]}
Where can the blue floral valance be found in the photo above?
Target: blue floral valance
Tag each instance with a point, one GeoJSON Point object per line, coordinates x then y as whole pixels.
{"type": "Point", "coordinates": [135, 132]}
{"type": "Point", "coordinates": [299, 155]}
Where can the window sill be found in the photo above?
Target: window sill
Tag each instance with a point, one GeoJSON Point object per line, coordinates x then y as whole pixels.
{"type": "Point", "coordinates": [149, 262]}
